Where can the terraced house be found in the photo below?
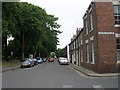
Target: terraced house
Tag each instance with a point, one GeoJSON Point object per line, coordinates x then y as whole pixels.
{"type": "Point", "coordinates": [97, 45]}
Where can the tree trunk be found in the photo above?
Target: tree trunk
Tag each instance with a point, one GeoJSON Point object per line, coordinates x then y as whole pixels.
{"type": "Point", "coordinates": [6, 51]}
{"type": "Point", "coordinates": [22, 46]}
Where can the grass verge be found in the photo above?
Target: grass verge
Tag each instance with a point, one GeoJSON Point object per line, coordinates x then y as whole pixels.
{"type": "Point", "coordinates": [10, 63]}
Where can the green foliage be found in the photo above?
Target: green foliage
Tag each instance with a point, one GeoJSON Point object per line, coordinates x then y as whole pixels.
{"type": "Point", "coordinates": [34, 31]}
{"type": "Point", "coordinates": [52, 54]}
{"type": "Point", "coordinates": [59, 53]}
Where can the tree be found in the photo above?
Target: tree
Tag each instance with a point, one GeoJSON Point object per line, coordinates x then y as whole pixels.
{"type": "Point", "coordinates": [32, 29]}
{"type": "Point", "coordinates": [59, 52]}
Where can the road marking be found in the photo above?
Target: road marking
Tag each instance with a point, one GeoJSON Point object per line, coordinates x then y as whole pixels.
{"type": "Point", "coordinates": [98, 87]}
{"type": "Point", "coordinates": [67, 86]}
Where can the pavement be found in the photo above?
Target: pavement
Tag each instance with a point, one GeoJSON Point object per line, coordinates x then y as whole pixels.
{"type": "Point", "coordinates": [91, 73]}
{"type": "Point", "coordinates": [78, 68]}
{"type": "Point", "coordinates": [9, 68]}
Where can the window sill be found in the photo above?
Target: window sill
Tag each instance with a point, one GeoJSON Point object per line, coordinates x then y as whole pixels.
{"type": "Point", "coordinates": [91, 31]}
{"type": "Point", "coordinates": [86, 34]}
{"type": "Point", "coordinates": [87, 62]}
{"type": "Point", "coordinates": [118, 62]}
{"type": "Point", "coordinates": [92, 62]}
{"type": "Point", "coordinates": [116, 26]}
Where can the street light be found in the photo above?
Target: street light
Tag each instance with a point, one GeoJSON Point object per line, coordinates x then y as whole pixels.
{"type": "Point", "coordinates": [11, 56]}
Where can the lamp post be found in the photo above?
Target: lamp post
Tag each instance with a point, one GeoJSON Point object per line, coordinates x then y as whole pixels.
{"type": "Point", "coordinates": [11, 56]}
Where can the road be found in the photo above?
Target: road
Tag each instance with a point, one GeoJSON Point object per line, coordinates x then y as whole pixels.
{"type": "Point", "coordinates": [53, 75]}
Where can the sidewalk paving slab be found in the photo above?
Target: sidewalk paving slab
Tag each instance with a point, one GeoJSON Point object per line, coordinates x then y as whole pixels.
{"type": "Point", "coordinates": [91, 73]}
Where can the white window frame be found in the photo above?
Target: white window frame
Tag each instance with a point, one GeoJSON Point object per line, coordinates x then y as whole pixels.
{"type": "Point", "coordinates": [117, 14]}
{"type": "Point", "coordinates": [81, 55]}
{"type": "Point", "coordinates": [118, 43]}
{"type": "Point", "coordinates": [91, 22]}
{"type": "Point", "coordinates": [81, 38]}
{"type": "Point", "coordinates": [86, 26]}
{"type": "Point", "coordinates": [87, 53]}
{"type": "Point", "coordinates": [93, 54]}
{"type": "Point", "coordinates": [118, 50]}
{"type": "Point", "coordinates": [74, 45]}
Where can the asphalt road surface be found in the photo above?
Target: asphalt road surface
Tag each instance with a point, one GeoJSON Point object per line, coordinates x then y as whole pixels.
{"type": "Point", "coordinates": [53, 75]}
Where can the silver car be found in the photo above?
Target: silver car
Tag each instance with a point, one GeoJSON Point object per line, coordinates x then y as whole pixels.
{"type": "Point", "coordinates": [63, 60]}
{"type": "Point", "coordinates": [27, 63]}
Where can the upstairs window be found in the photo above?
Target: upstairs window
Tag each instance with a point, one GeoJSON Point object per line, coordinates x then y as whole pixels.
{"type": "Point", "coordinates": [117, 14]}
{"type": "Point", "coordinates": [91, 22]}
{"type": "Point", "coordinates": [86, 26]}
{"type": "Point", "coordinates": [118, 43]}
{"type": "Point", "coordinates": [87, 53]}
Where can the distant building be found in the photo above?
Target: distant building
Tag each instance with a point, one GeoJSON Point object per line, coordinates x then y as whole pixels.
{"type": "Point", "coordinates": [65, 52]}
{"type": "Point", "coordinates": [97, 45]}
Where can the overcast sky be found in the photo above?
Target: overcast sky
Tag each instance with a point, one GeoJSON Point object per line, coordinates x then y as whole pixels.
{"type": "Point", "coordinates": [70, 13]}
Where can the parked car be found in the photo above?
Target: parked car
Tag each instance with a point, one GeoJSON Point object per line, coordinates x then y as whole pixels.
{"type": "Point", "coordinates": [44, 60]}
{"type": "Point", "coordinates": [35, 61]}
{"type": "Point", "coordinates": [51, 60]}
{"type": "Point", "coordinates": [63, 60]}
{"type": "Point", "coordinates": [39, 60]}
{"type": "Point", "coordinates": [27, 62]}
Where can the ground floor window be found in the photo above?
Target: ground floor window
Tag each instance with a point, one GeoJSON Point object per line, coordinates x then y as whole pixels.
{"type": "Point", "coordinates": [77, 57]}
{"type": "Point", "coordinates": [81, 56]}
{"type": "Point", "coordinates": [92, 44]}
{"type": "Point", "coordinates": [118, 48]}
{"type": "Point", "coordinates": [118, 43]}
{"type": "Point", "coordinates": [87, 53]}
{"type": "Point", "coordinates": [118, 56]}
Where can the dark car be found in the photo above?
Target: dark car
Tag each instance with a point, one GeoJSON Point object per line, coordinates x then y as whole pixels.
{"type": "Point", "coordinates": [27, 62]}
{"type": "Point", "coordinates": [35, 61]}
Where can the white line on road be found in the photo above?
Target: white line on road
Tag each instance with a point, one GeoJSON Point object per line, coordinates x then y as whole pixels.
{"type": "Point", "coordinates": [98, 87]}
{"type": "Point", "coordinates": [67, 86]}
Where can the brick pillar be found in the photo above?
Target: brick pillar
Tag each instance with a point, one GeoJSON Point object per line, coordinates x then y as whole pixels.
{"type": "Point", "coordinates": [107, 53]}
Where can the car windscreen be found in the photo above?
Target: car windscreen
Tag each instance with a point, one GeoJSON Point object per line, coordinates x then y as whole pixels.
{"type": "Point", "coordinates": [38, 58]}
{"type": "Point", "coordinates": [27, 61]}
{"type": "Point", "coordinates": [63, 59]}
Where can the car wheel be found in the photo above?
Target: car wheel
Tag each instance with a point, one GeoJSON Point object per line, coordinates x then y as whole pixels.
{"type": "Point", "coordinates": [33, 65]}
{"type": "Point", "coordinates": [30, 65]}
{"type": "Point", "coordinates": [21, 66]}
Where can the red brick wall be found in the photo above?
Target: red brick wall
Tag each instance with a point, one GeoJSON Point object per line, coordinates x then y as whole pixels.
{"type": "Point", "coordinates": [106, 42]}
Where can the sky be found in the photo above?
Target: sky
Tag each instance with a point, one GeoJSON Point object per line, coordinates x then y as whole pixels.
{"type": "Point", "coordinates": [69, 12]}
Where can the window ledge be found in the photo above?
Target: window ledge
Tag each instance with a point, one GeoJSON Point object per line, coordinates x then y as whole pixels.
{"type": "Point", "coordinates": [87, 62]}
{"type": "Point", "coordinates": [86, 34]}
{"type": "Point", "coordinates": [92, 62]}
{"type": "Point", "coordinates": [91, 30]}
{"type": "Point", "coordinates": [118, 62]}
{"type": "Point", "coordinates": [117, 26]}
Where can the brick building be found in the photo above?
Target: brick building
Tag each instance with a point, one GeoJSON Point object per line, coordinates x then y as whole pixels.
{"type": "Point", "coordinates": [97, 45]}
